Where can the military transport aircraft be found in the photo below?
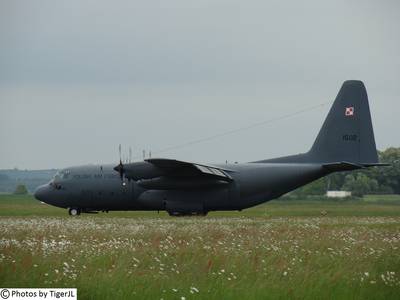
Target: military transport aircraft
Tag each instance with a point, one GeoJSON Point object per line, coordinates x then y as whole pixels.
{"type": "Point", "coordinates": [345, 142]}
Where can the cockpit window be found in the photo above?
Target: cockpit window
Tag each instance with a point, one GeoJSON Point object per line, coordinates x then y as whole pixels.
{"type": "Point", "coordinates": [60, 175]}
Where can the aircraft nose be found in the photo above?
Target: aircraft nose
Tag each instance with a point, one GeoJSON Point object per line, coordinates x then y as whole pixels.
{"type": "Point", "coordinates": [41, 193]}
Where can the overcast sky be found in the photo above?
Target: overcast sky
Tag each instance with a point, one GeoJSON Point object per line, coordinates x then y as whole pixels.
{"type": "Point", "coordinates": [79, 77]}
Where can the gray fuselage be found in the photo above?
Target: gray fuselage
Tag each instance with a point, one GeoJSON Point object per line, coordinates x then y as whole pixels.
{"type": "Point", "coordinates": [99, 188]}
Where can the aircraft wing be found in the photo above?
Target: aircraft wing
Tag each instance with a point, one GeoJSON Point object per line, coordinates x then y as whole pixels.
{"type": "Point", "coordinates": [177, 168]}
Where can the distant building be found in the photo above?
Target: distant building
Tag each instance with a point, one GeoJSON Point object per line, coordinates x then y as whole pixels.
{"type": "Point", "coordinates": [338, 194]}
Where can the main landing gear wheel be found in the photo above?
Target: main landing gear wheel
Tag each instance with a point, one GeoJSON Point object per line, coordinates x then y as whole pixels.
{"type": "Point", "coordinates": [74, 211]}
{"type": "Point", "coordinates": [187, 214]}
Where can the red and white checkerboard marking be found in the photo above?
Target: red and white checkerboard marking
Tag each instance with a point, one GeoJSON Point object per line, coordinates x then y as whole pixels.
{"type": "Point", "coordinates": [349, 112]}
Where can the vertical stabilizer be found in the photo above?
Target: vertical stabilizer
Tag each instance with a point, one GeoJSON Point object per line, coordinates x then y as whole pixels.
{"type": "Point", "coordinates": [347, 133]}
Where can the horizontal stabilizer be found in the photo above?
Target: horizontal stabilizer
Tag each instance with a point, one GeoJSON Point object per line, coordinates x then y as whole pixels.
{"type": "Point", "coordinates": [376, 165]}
{"type": "Point", "coordinates": [347, 166]}
{"type": "Point", "coordinates": [342, 166]}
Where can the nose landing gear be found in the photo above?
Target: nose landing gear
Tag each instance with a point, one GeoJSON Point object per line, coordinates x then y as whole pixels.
{"type": "Point", "coordinates": [73, 211]}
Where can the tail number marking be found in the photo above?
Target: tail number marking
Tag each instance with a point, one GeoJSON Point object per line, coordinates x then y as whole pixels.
{"type": "Point", "coordinates": [349, 137]}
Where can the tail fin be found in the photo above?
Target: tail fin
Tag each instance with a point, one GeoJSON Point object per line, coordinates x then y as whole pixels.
{"type": "Point", "coordinates": [347, 134]}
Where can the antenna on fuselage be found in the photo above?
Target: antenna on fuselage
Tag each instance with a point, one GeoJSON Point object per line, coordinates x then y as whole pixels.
{"type": "Point", "coordinates": [130, 154]}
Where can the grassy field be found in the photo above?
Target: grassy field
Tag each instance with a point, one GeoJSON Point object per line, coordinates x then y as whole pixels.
{"type": "Point", "coordinates": [283, 249]}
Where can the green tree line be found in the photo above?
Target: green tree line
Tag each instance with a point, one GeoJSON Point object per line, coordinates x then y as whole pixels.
{"type": "Point", "coordinates": [376, 180]}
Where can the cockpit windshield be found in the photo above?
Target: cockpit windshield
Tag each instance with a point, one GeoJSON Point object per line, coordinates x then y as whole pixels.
{"type": "Point", "coordinates": [62, 174]}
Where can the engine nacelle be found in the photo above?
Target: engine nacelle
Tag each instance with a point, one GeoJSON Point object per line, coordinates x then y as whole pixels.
{"type": "Point", "coordinates": [141, 170]}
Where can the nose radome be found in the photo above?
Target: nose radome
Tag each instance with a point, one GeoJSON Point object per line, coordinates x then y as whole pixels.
{"type": "Point", "coordinates": [40, 193]}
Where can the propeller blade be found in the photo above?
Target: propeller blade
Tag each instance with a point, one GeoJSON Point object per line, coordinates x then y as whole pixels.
{"type": "Point", "coordinates": [120, 167]}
